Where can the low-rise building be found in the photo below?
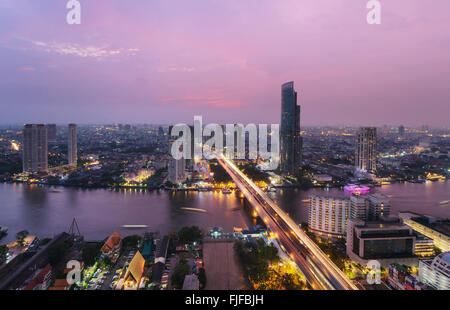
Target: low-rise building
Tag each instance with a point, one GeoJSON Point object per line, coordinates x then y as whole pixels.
{"type": "Point", "coordinates": [385, 241]}
{"type": "Point", "coordinates": [434, 228]}
{"type": "Point", "coordinates": [111, 248]}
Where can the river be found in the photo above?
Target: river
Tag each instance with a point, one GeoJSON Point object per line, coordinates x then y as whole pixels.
{"type": "Point", "coordinates": [46, 211]}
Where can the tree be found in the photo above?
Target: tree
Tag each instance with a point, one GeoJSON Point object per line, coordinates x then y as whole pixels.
{"type": "Point", "coordinates": [56, 253]}
{"type": "Point", "coordinates": [179, 273]}
{"type": "Point", "coordinates": [202, 277]}
{"type": "Point", "coordinates": [20, 236]}
{"type": "Point", "coordinates": [3, 251]}
{"type": "Point", "coordinates": [190, 234]}
{"type": "Point", "coordinates": [90, 252]}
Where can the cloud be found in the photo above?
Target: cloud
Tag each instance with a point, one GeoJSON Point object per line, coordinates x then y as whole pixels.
{"type": "Point", "coordinates": [24, 68]}
{"type": "Point", "coordinates": [202, 101]}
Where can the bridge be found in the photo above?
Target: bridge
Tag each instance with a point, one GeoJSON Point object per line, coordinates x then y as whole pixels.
{"type": "Point", "coordinates": [320, 272]}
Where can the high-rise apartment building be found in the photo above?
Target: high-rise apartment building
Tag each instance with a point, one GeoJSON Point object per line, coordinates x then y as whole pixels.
{"type": "Point", "coordinates": [176, 169]}
{"type": "Point", "coordinates": [290, 139]}
{"type": "Point", "coordinates": [72, 145]}
{"type": "Point", "coordinates": [366, 149]}
{"type": "Point", "coordinates": [51, 133]}
{"type": "Point", "coordinates": [35, 148]}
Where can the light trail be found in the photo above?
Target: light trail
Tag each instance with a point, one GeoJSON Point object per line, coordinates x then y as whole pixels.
{"type": "Point", "coordinates": [318, 268]}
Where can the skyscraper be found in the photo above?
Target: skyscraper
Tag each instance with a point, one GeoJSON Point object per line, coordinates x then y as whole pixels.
{"type": "Point", "coordinates": [290, 139]}
{"type": "Point", "coordinates": [35, 148]}
{"type": "Point", "coordinates": [401, 130]}
{"type": "Point", "coordinates": [176, 169]}
{"type": "Point", "coordinates": [51, 133]}
{"type": "Point", "coordinates": [366, 149]}
{"type": "Point", "coordinates": [72, 145]}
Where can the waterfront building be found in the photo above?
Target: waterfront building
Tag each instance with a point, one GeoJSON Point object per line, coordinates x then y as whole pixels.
{"type": "Point", "coordinates": [386, 241]}
{"type": "Point", "coordinates": [434, 228]}
{"type": "Point", "coordinates": [51, 133]}
{"type": "Point", "coordinates": [359, 207]}
{"type": "Point", "coordinates": [111, 248]}
{"type": "Point", "coordinates": [328, 215]}
{"type": "Point", "coordinates": [379, 206]}
{"type": "Point", "coordinates": [436, 272]}
{"type": "Point", "coordinates": [72, 145]}
{"type": "Point", "coordinates": [35, 148]}
{"type": "Point", "coordinates": [290, 139]}
{"type": "Point", "coordinates": [366, 149]}
{"type": "Point", "coordinates": [176, 169]}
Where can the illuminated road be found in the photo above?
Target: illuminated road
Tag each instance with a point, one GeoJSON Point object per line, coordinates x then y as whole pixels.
{"type": "Point", "coordinates": [320, 272]}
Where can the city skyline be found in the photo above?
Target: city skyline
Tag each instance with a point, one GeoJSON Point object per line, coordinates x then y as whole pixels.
{"type": "Point", "coordinates": [157, 61]}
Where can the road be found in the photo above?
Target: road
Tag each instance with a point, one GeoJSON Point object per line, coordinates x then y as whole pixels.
{"type": "Point", "coordinates": [320, 272]}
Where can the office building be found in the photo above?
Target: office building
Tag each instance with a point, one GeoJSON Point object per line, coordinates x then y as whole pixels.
{"type": "Point", "coordinates": [328, 215]}
{"type": "Point", "coordinates": [434, 228]}
{"type": "Point", "coordinates": [72, 145]}
{"type": "Point", "coordinates": [436, 272]}
{"type": "Point", "coordinates": [385, 241]}
{"type": "Point", "coordinates": [35, 148]}
{"type": "Point", "coordinates": [51, 133]}
{"type": "Point", "coordinates": [366, 149]}
{"type": "Point", "coordinates": [290, 139]}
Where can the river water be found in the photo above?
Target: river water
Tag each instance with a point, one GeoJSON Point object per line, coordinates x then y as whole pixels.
{"type": "Point", "coordinates": [46, 211]}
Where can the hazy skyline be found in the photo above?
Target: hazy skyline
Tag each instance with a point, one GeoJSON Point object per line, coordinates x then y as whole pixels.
{"type": "Point", "coordinates": [166, 61]}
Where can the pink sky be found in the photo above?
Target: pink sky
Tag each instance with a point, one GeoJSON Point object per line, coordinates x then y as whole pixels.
{"type": "Point", "coordinates": [164, 61]}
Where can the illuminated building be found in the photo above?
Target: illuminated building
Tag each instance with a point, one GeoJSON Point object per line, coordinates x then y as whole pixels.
{"type": "Point", "coordinates": [328, 215]}
{"type": "Point", "coordinates": [366, 149]}
{"type": "Point", "coordinates": [359, 207]}
{"type": "Point", "coordinates": [133, 276]}
{"type": "Point", "coordinates": [35, 148]}
{"type": "Point", "coordinates": [356, 189]}
{"type": "Point", "coordinates": [385, 241]}
{"type": "Point", "coordinates": [290, 139]}
{"type": "Point", "coordinates": [72, 145]}
{"type": "Point", "coordinates": [433, 228]}
{"type": "Point", "coordinates": [176, 169]}
{"type": "Point", "coordinates": [379, 206]}
{"type": "Point", "coordinates": [436, 272]}
{"type": "Point", "coordinates": [111, 247]}
{"type": "Point", "coordinates": [424, 246]}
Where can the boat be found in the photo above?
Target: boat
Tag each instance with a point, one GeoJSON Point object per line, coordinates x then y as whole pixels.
{"type": "Point", "coordinates": [226, 191]}
{"type": "Point", "coordinates": [194, 209]}
{"type": "Point", "coordinates": [445, 202]}
{"type": "Point", "coordinates": [271, 189]}
{"type": "Point", "coordinates": [134, 226]}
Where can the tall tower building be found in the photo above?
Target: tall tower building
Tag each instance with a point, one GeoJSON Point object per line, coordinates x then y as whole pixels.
{"type": "Point", "coordinates": [176, 169]}
{"type": "Point", "coordinates": [72, 145]}
{"type": "Point", "coordinates": [51, 133]}
{"type": "Point", "coordinates": [290, 139]}
{"type": "Point", "coordinates": [401, 130]}
{"type": "Point", "coordinates": [366, 149]}
{"type": "Point", "coordinates": [35, 148]}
